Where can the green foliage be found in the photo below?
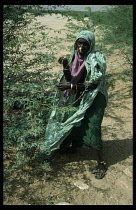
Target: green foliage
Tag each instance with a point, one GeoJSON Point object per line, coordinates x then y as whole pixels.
{"type": "Point", "coordinates": [121, 20]}
{"type": "Point", "coordinates": [117, 24]}
{"type": "Point", "coordinates": [29, 83]}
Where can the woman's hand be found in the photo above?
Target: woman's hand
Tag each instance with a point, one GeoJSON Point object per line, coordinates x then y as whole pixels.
{"type": "Point", "coordinates": [63, 86]}
{"type": "Point", "coordinates": [63, 61]}
{"type": "Point", "coordinates": [66, 69]}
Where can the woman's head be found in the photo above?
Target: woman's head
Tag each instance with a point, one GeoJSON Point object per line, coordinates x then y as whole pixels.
{"type": "Point", "coordinates": [85, 42]}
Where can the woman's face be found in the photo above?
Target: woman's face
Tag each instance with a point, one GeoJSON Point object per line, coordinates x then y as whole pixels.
{"type": "Point", "coordinates": [82, 46]}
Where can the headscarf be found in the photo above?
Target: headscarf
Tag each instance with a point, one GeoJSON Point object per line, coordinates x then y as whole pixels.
{"type": "Point", "coordinates": [78, 65]}
{"type": "Point", "coordinates": [77, 68]}
{"type": "Point", "coordinates": [88, 36]}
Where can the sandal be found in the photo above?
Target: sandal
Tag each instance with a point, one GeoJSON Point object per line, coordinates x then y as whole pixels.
{"type": "Point", "coordinates": [100, 170]}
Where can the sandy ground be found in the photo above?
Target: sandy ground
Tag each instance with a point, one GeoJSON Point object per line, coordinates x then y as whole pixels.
{"type": "Point", "coordinates": [68, 181]}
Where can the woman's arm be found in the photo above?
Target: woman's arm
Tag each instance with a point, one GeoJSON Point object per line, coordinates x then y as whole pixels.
{"type": "Point", "coordinates": [83, 86]}
{"type": "Point", "coordinates": [66, 68]}
{"type": "Point", "coordinates": [78, 86]}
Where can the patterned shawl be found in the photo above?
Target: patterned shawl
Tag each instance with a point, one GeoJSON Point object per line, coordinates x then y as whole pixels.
{"type": "Point", "coordinates": [61, 121]}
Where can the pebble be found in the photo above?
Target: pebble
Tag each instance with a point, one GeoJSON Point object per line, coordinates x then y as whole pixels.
{"type": "Point", "coordinates": [81, 185]}
{"type": "Point", "coordinates": [63, 203]}
{"type": "Point", "coordinates": [127, 172]}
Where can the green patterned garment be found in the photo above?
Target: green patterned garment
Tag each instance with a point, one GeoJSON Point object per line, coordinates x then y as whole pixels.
{"type": "Point", "coordinates": [64, 118]}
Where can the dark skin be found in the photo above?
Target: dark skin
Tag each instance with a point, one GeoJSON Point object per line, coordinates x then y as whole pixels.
{"type": "Point", "coordinates": [82, 46]}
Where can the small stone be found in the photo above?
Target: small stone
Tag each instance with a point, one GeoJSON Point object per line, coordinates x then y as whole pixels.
{"type": "Point", "coordinates": [63, 203]}
{"type": "Point", "coordinates": [127, 172]}
{"type": "Point", "coordinates": [81, 185]}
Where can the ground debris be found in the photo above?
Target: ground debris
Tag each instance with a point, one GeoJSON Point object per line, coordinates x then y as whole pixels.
{"type": "Point", "coordinates": [81, 185]}
{"type": "Point", "coordinates": [63, 203]}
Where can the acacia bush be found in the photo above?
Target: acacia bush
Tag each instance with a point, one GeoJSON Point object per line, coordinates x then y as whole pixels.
{"type": "Point", "coordinates": [28, 84]}
{"type": "Point", "coordinates": [117, 24]}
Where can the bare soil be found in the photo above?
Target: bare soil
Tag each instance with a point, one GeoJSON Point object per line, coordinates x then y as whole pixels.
{"type": "Point", "coordinates": [68, 180]}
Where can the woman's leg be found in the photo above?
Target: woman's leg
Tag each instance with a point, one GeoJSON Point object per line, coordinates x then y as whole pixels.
{"type": "Point", "coordinates": [92, 137]}
{"type": "Point", "coordinates": [100, 156]}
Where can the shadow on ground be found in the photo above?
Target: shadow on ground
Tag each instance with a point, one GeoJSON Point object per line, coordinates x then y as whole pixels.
{"type": "Point", "coordinates": [28, 191]}
{"type": "Point", "coordinates": [114, 151]}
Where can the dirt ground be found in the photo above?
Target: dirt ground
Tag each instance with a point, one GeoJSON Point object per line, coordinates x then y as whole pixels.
{"type": "Point", "coordinates": [68, 180]}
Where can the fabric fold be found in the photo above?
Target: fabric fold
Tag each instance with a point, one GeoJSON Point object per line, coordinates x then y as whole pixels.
{"type": "Point", "coordinates": [68, 115]}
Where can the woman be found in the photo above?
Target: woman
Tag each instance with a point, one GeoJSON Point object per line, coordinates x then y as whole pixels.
{"type": "Point", "coordinates": [82, 98]}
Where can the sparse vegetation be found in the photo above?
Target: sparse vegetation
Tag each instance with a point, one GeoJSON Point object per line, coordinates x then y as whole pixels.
{"type": "Point", "coordinates": [28, 84]}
